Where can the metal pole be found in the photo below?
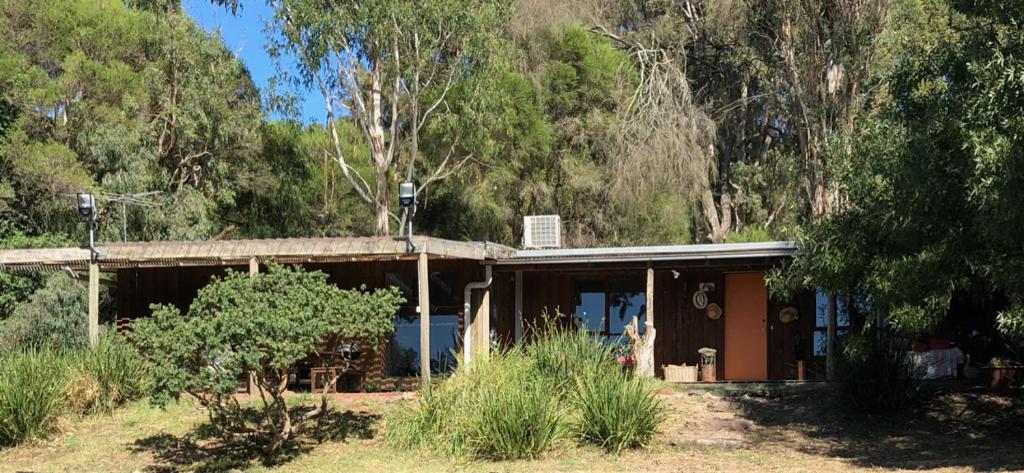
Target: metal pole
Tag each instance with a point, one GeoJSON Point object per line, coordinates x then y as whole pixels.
{"type": "Point", "coordinates": [124, 220]}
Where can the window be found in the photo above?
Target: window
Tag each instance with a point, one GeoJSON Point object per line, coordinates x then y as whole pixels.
{"type": "Point", "coordinates": [403, 350]}
{"type": "Point", "coordinates": [821, 321]}
{"type": "Point", "coordinates": [403, 354]}
{"type": "Point", "coordinates": [606, 307]}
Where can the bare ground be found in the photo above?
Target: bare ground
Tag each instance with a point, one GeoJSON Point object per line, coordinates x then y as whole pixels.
{"type": "Point", "coordinates": [779, 430]}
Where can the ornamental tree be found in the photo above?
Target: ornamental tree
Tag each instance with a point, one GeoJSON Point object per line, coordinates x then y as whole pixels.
{"type": "Point", "coordinates": [242, 326]}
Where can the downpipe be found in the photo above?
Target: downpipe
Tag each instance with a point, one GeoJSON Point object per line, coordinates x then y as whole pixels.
{"type": "Point", "coordinates": [467, 308]}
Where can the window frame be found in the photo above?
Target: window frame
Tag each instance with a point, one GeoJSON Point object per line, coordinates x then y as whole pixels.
{"type": "Point", "coordinates": [609, 286]}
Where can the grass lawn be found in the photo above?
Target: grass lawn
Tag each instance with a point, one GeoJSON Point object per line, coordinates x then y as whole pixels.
{"type": "Point", "coordinates": [785, 430]}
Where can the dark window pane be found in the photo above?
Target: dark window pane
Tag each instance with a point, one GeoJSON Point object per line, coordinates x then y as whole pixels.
{"type": "Point", "coordinates": [443, 291]}
{"type": "Point", "coordinates": [403, 356]}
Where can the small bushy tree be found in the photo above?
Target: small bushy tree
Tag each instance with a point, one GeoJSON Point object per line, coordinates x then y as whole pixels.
{"type": "Point", "coordinates": [256, 326]}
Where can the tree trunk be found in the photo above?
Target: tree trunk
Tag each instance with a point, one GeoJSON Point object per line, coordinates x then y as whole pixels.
{"type": "Point", "coordinates": [642, 348]}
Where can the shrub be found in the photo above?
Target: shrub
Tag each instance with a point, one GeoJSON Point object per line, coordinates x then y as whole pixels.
{"type": "Point", "coordinates": [241, 326]}
{"type": "Point", "coordinates": [876, 374]}
{"type": "Point", "coordinates": [53, 315]}
{"type": "Point", "coordinates": [33, 385]}
{"type": "Point", "coordinates": [617, 411]}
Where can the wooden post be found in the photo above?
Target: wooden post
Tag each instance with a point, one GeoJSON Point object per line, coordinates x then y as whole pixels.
{"type": "Point", "coordinates": [649, 302]}
{"type": "Point", "coordinates": [482, 326]}
{"type": "Point", "coordinates": [94, 303]}
{"type": "Point", "coordinates": [423, 278]}
{"type": "Point", "coordinates": [254, 266]}
{"type": "Point", "coordinates": [644, 346]}
{"type": "Point", "coordinates": [519, 306]}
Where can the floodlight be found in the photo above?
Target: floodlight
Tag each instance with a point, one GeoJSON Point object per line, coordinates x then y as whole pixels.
{"type": "Point", "coordinates": [86, 205]}
{"type": "Point", "coordinates": [407, 195]}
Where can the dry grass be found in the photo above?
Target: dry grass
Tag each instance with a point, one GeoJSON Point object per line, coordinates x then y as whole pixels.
{"type": "Point", "coordinates": [792, 432]}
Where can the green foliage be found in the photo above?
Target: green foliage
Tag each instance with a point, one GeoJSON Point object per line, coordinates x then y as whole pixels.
{"type": "Point", "coordinates": [749, 235]}
{"type": "Point", "coordinates": [932, 183]}
{"type": "Point", "coordinates": [516, 422]}
{"type": "Point", "coordinates": [522, 402]}
{"type": "Point", "coordinates": [103, 97]}
{"type": "Point", "coordinates": [876, 375]}
{"type": "Point", "coordinates": [293, 190]}
{"type": "Point", "coordinates": [560, 355]}
{"type": "Point", "coordinates": [53, 315]}
{"type": "Point", "coordinates": [241, 325]}
{"type": "Point", "coordinates": [32, 393]}
{"type": "Point", "coordinates": [41, 384]}
{"type": "Point", "coordinates": [617, 411]}
{"type": "Point", "coordinates": [496, 410]}
{"type": "Point", "coordinates": [17, 287]}
{"type": "Point", "coordinates": [105, 376]}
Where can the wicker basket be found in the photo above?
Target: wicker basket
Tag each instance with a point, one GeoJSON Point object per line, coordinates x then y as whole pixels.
{"type": "Point", "coordinates": [680, 373]}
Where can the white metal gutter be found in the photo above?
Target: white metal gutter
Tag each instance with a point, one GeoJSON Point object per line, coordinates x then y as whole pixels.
{"type": "Point", "coordinates": [653, 253]}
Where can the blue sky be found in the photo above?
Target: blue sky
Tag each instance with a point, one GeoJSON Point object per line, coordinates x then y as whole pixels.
{"type": "Point", "coordinates": [243, 35]}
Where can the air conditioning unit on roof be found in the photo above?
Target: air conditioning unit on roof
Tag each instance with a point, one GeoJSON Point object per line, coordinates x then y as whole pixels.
{"type": "Point", "coordinates": [542, 231]}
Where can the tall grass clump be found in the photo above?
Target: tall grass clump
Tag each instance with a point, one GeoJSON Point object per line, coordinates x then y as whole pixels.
{"type": "Point", "coordinates": [877, 374]}
{"type": "Point", "coordinates": [40, 384]}
{"type": "Point", "coordinates": [522, 402]}
{"type": "Point", "coordinates": [560, 355]}
{"type": "Point", "coordinates": [33, 384]}
{"type": "Point", "coordinates": [617, 411]}
{"type": "Point", "coordinates": [105, 376]}
{"type": "Point", "coordinates": [496, 410]}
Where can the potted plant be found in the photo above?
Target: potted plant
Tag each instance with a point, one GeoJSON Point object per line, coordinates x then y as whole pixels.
{"type": "Point", "coordinates": [624, 357]}
{"type": "Point", "coordinates": [1003, 372]}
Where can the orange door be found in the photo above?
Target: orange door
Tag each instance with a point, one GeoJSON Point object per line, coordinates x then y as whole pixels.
{"type": "Point", "coordinates": [746, 334]}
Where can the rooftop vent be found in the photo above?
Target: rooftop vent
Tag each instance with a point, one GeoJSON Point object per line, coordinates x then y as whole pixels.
{"type": "Point", "coordinates": [542, 231]}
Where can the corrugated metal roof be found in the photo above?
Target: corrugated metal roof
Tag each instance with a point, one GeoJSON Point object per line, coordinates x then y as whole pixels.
{"type": "Point", "coordinates": [328, 250]}
{"type": "Point", "coordinates": [229, 252]}
{"type": "Point", "coordinates": [654, 253]}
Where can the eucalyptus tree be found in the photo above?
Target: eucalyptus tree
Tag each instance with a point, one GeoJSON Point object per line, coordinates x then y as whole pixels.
{"type": "Point", "coordinates": [932, 183]}
{"type": "Point", "coordinates": [389, 66]}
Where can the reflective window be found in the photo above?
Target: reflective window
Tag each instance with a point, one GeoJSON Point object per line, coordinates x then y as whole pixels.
{"type": "Point", "coordinates": [862, 305]}
{"type": "Point", "coordinates": [590, 305]}
{"type": "Point", "coordinates": [403, 354]}
{"type": "Point", "coordinates": [606, 307]}
{"type": "Point", "coordinates": [403, 350]}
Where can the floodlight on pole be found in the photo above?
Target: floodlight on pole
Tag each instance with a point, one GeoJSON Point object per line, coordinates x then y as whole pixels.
{"type": "Point", "coordinates": [87, 209]}
{"type": "Point", "coordinates": [407, 200]}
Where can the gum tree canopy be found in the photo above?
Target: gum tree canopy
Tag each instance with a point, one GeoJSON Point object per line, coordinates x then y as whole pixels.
{"type": "Point", "coordinates": [257, 326]}
{"type": "Point", "coordinates": [933, 187]}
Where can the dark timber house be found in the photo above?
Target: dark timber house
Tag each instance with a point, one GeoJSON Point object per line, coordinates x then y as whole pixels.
{"type": "Point", "coordinates": [757, 337]}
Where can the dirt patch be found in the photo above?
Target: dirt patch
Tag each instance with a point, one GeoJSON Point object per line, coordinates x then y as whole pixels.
{"type": "Point", "coordinates": [948, 431]}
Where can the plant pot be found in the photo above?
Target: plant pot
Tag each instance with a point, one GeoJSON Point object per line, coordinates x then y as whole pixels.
{"type": "Point", "coordinates": [1001, 377]}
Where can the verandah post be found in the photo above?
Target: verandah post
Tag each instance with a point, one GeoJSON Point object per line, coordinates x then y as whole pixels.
{"type": "Point", "coordinates": [94, 302]}
{"type": "Point", "coordinates": [423, 279]}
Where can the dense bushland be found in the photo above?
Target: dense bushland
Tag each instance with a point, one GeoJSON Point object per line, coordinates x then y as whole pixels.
{"type": "Point", "coordinates": [564, 387]}
{"type": "Point", "coordinates": [39, 385]}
